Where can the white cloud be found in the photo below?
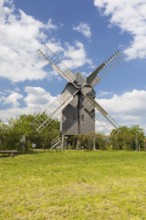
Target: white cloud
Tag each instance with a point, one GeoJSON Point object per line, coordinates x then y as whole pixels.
{"type": "Point", "coordinates": [129, 16]}
{"type": "Point", "coordinates": [102, 126]}
{"type": "Point", "coordinates": [128, 108]}
{"type": "Point", "coordinates": [13, 99]}
{"type": "Point", "coordinates": [50, 25]}
{"type": "Point", "coordinates": [75, 56]}
{"type": "Point", "coordinates": [20, 36]}
{"type": "Point", "coordinates": [37, 98]}
{"type": "Point", "coordinates": [55, 46]}
{"type": "Point", "coordinates": [84, 29]}
{"type": "Point", "coordinates": [132, 101]}
{"type": "Point", "coordinates": [104, 93]}
{"type": "Point", "coordinates": [138, 48]}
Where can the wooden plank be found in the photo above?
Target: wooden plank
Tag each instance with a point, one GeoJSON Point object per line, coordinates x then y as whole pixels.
{"type": "Point", "coordinates": [11, 153]}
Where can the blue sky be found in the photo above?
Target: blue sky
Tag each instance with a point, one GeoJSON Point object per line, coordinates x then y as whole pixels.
{"type": "Point", "coordinates": [87, 32]}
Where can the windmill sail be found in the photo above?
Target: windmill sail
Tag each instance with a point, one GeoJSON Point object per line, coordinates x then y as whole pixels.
{"type": "Point", "coordinates": [54, 60]}
{"type": "Point", "coordinates": [94, 77]}
{"type": "Point", "coordinates": [102, 111]}
{"type": "Point", "coordinates": [60, 103]}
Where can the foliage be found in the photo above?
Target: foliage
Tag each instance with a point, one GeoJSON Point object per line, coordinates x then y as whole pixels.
{"type": "Point", "coordinates": [4, 135]}
{"type": "Point", "coordinates": [101, 141]}
{"type": "Point", "coordinates": [73, 185]}
{"type": "Point", "coordinates": [125, 138]}
{"type": "Point", "coordinates": [19, 133]}
{"type": "Point", "coordinates": [88, 141]}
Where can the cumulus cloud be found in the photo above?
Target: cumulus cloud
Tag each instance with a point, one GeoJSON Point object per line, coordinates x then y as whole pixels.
{"type": "Point", "coordinates": [127, 102]}
{"type": "Point", "coordinates": [13, 99]}
{"type": "Point", "coordinates": [104, 93]}
{"type": "Point", "coordinates": [84, 29]}
{"type": "Point", "coordinates": [102, 126]}
{"type": "Point", "coordinates": [21, 35]}
{"type": "Point", "coordinates": [75, 56]}
{"type": "Point", "coordinates": [128, 108]}
{"type": "Point", "coordinates": [130, 17]}
{"type": "Point", "coordinates": [37, 98]}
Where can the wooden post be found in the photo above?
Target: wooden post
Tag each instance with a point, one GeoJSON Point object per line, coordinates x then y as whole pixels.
{"type": "Point", "coordinates": [136, 143]}
{"type": "Point", "coordinates": [62, 142]}
{"type": "Point", "coordinates": [94, 146]}
{"type": "Point", "coordinates": [78, 145]}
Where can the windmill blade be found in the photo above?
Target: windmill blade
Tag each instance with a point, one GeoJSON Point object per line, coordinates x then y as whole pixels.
{"type": "Point", "coordinates": [55, 61]}
{"type": "Point", "coordinates": [101, 122]}
{"type": "Point", "coordinates": [94, 77]}
{"type": "Point", "coordinates": [61, 102]}
{"type": "Point", "coordinates": [102, 125]}
{"type": "Point", "coordinates": [102, 111]}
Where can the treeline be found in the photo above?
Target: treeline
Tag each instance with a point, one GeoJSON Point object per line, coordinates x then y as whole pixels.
{"type": "Point", "coordinates": [123, 138]}
{"type": "Point", "coordinates": [20, 134]}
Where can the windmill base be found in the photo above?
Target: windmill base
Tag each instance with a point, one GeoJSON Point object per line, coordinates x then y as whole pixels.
{"type": "Point", "coordinates": [73, 142]}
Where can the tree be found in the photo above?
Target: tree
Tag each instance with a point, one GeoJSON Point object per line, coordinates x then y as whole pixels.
{"type": "Point", "coordinates": [125, 138]}
{"type": "Point", "coordinates": [88, 141]}
{"type": "Point", "coordinates": [19, 133]}
{"type": "Point", "coordinates": [138, 138]}
{"type": "Point", "coordinates": [101, 141]}
{"type": "Point", "coordinates": [4, 134]}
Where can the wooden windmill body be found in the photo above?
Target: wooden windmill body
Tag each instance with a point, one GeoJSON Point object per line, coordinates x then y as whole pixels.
{"type": "Point", "coordinates": [78, 117]}
{"type": "Point", "coordinates": [77, 102]}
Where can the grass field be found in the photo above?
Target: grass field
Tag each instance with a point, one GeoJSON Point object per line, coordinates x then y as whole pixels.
{"type": "Point", "coordinates": [73, 185]}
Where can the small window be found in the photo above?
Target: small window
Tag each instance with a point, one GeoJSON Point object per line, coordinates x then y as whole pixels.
{"type": "Point", "coordinates": [82, 117]}
{"type": "Point", "coordinates": [92, 113]}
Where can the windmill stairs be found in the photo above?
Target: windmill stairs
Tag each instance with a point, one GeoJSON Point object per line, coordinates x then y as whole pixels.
{"type": "Point", "coordinates": [56, 143]}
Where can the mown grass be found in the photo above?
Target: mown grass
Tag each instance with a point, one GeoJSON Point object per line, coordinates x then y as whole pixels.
{"type": "Point", "coordinates": [73, 185]}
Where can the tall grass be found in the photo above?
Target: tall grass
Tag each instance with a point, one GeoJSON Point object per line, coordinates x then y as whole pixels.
{"type": "Point", "coordinates": [73, 185]}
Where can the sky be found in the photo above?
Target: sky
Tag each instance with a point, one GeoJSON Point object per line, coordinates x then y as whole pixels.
{"type": "Point", "coordinates": [86, 32]}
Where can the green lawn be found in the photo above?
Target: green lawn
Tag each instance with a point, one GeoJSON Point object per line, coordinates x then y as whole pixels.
{"type": "Point", "coordinates": [73, 185]}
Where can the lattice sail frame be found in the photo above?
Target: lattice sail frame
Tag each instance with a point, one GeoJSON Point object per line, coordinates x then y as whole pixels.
{"type": "Point", "coordinates": [97, 74]}
{"type": "Point", "coordinates": [55, 61]}
{"type": "Point", "coordinates": [60, 103]}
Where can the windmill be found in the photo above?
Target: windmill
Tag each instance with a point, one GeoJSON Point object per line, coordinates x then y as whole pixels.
{"type": "Point", "coordinates": [77, 101]}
